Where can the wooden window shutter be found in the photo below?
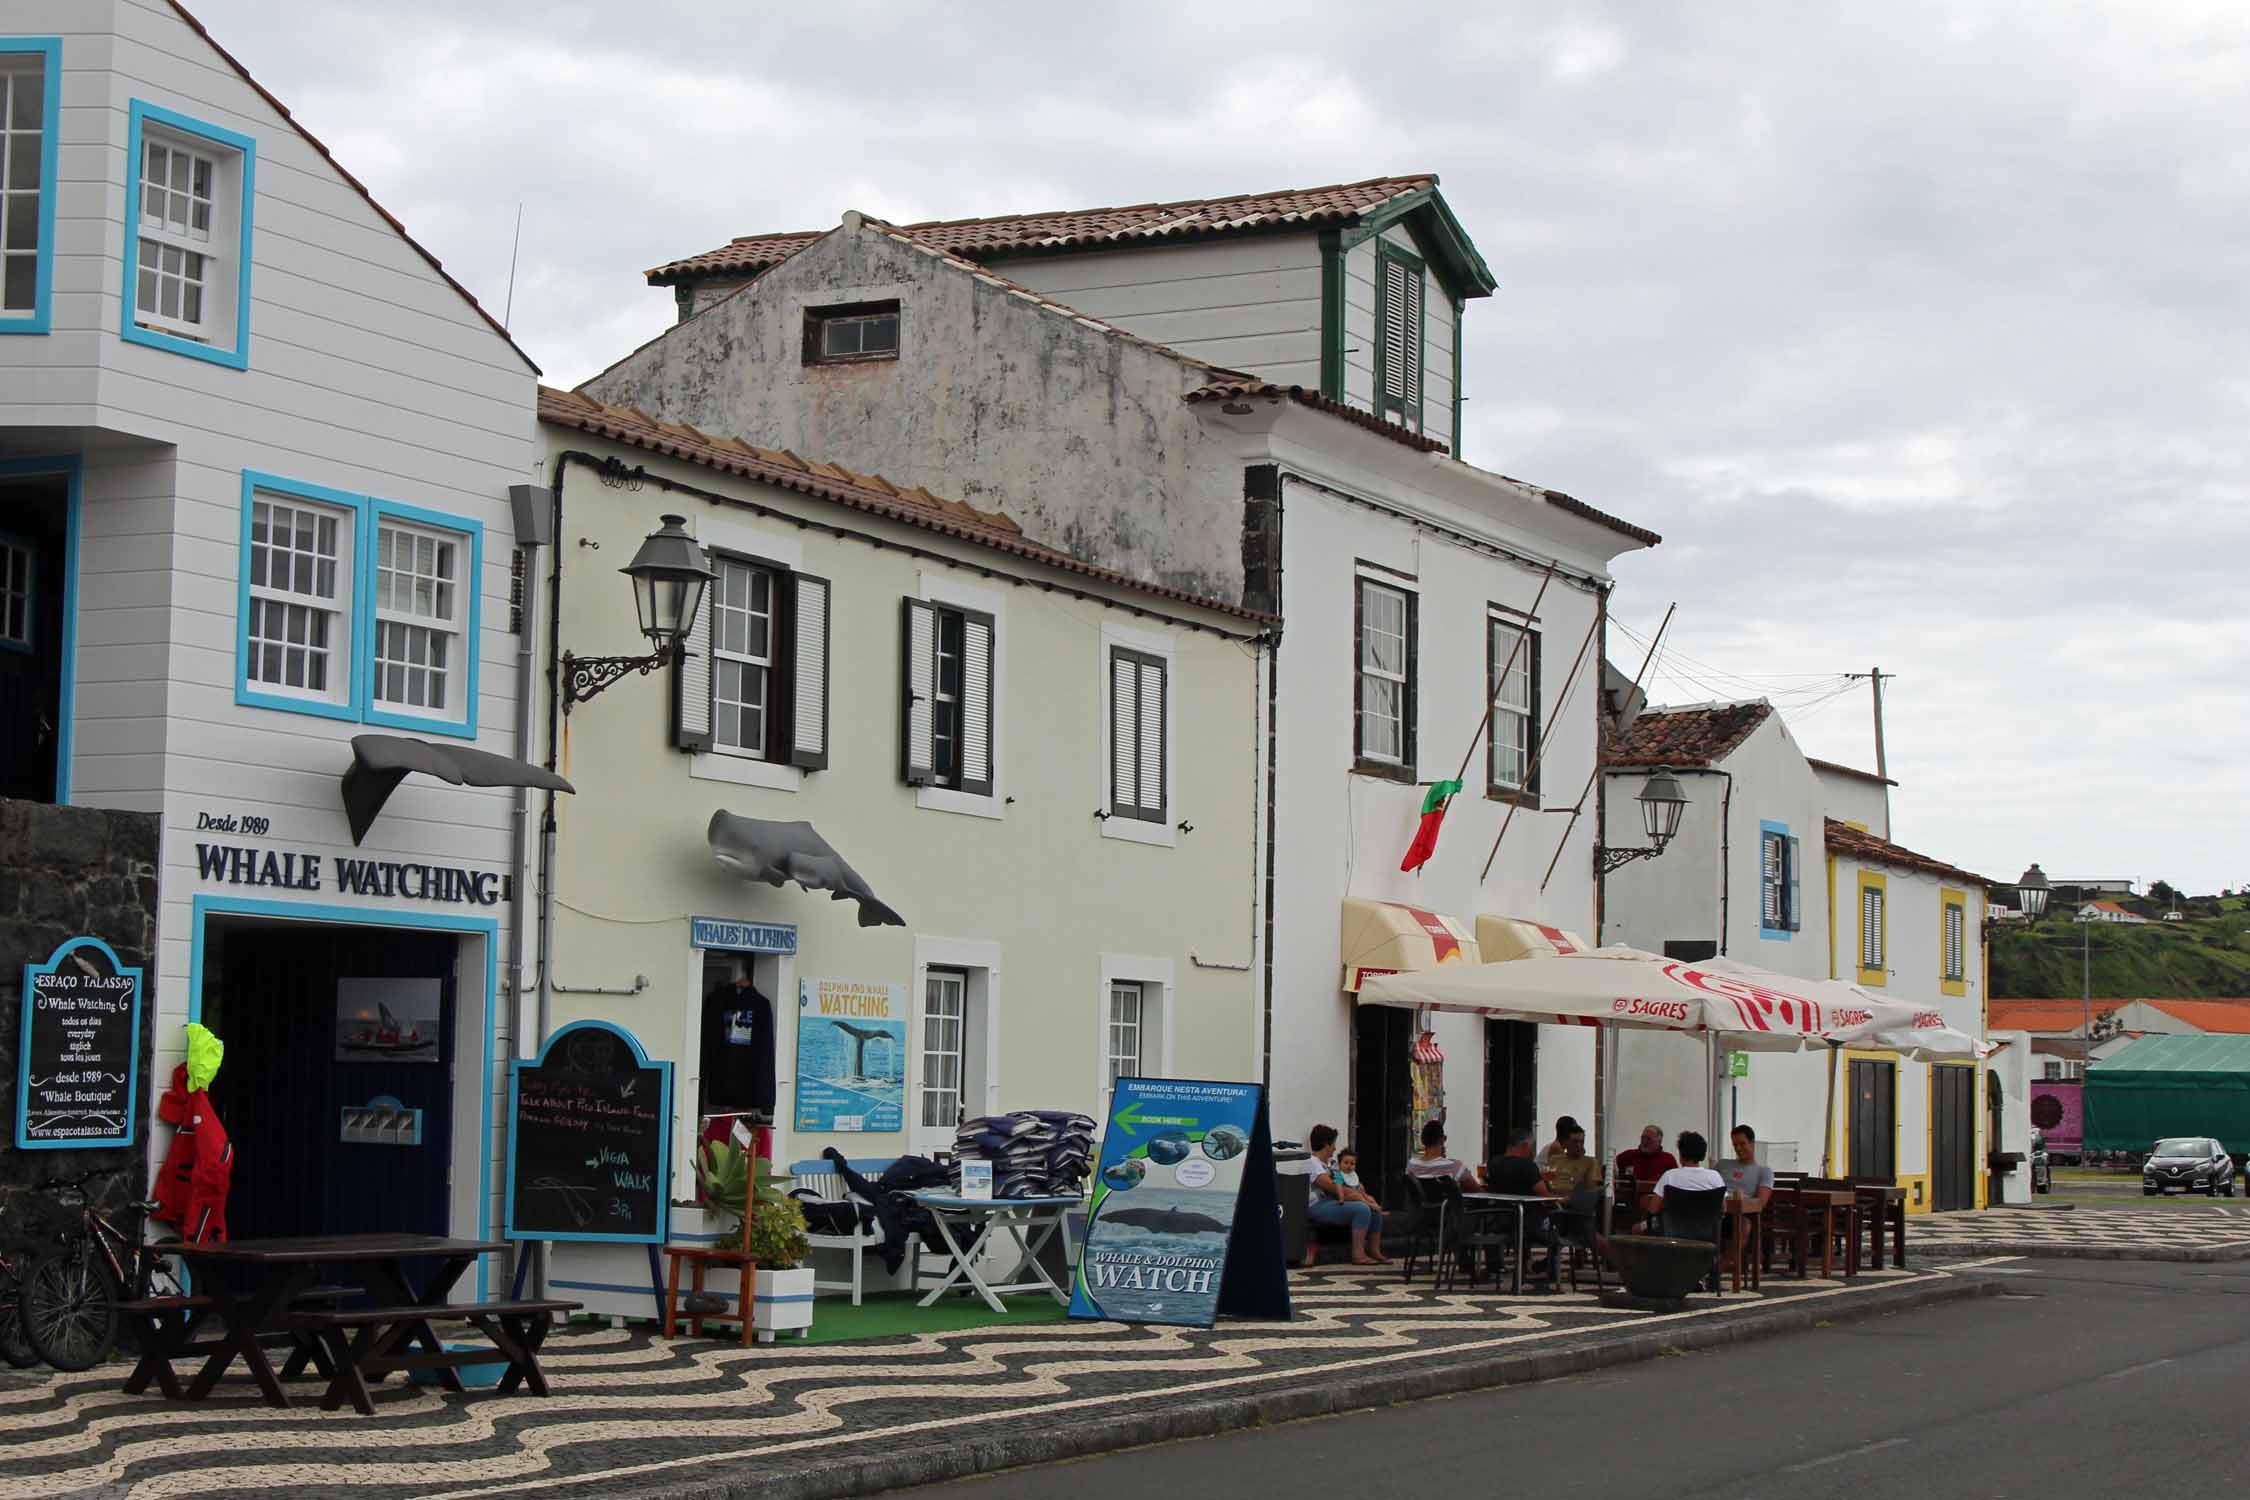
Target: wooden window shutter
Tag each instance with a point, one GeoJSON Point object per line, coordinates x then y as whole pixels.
{"type": "Point", "coordinates": [1124, 749]}
{"type": "Point", "coordinates": [1394, 299]}
{"type": "Point", "coordinates": [1151, 740]}
{"type": "Point", "coordinates": [1796, 912]}
{"type": "Point", "coordinates": [1770, 880]}
{"type": "Point", "coordinates": [1410, 345]}
{"type": "Point", "coordinates": [917, 683]}
{"type": "Point", "coordinates": [691, 682]}
{"type": "Point", "coordinates": [976, 703]}
{"type": "Point", "coordinates": [808, 719]}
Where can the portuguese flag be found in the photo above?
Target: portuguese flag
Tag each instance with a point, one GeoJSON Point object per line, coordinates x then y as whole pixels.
{"type": "Point", "coordinates": [1433, 813]}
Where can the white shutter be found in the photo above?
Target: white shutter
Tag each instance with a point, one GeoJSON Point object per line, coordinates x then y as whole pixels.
{"type": "Point", "coordinates": [976, 704]}
{"type": "Point", "coordinates": [1123, 754]}
{"type": "Point", "coordinates": [691, 681]}
{"type": "Point", "coordinates": [1769, 884]}
{"type": "Point", "coordinates": [808, 734]}
{"type": "Point", "coordinates": [1151, 739]}
{"type": "Point", "coordinates": [1410, 356]}
{"type": "Point", "coordinates": [1394, 331]}
{"type": "Point", "coordinates": [917, 672]}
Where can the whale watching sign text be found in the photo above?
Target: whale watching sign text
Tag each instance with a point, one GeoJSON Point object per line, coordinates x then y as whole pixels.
{"type": "Point", "coordinates": [1185, 1222]}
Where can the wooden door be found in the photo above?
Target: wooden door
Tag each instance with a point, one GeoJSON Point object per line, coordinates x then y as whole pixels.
{"type": "Point", "coordinates": [1953, 1137]}
{"type": "Point", "coordinates": [1874, 1120]}
{"type": "Point", "coordinates": [1511, 1083]}
{"type": "Point", "coordinates": [1383, 1097]}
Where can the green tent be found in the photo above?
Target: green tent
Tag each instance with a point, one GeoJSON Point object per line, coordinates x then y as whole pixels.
{"type": "Point", "coordinates": [2170, 1085]}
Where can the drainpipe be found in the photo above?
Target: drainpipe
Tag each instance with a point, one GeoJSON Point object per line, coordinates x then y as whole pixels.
{"type": "Point", "coordinates": [554, 748]}
{"type": "Point", "coordinates": [534, 516]}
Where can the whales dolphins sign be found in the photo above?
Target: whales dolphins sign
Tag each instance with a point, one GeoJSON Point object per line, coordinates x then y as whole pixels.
{"type": "Point", "coordinates": [851, 1055]}
{"type": "Point", "coordinates": [1185, 1221]}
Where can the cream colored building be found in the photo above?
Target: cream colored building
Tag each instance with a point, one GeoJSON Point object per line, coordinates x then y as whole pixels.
{"type": "Point", "coordinates": [1072, 859]}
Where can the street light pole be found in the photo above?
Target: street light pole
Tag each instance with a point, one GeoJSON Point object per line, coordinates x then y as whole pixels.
{"type": "Point", "coordinates": [2086, 988]}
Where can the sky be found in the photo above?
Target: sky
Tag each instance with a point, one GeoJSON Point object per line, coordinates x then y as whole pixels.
{"type": "Point", "coordinates": [1918, 330]}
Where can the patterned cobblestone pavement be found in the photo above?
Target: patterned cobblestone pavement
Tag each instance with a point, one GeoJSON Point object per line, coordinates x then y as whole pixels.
{"type": "Point", "coordinates": [2122, 1231]}
{"type": "Point", "coordinates": [632, 1414]}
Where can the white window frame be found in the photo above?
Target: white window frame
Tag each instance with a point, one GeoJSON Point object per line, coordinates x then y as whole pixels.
{"type": "Point", "coordinates": [946, 591]}
{"type": "Point", "coordinates": [782, 554]}
{"type": "Point", "coordinates": [768, 663]}
{"type": "Point", "coordinates": [1124, 1036]}
{"type": "Point", "coordinates": [18, 558]}
{"type": "Point", "coordinates": [944, 1037]}
{"type": "Point", "coordinates": [33, 142]}
{"type": "Point", "coordinates": [1363, 671]}
{"type": "Point", "coordinates": [979, 962]}
{"type": "Point", "coordinates": [451, 627]}
{"type": "Point", "coordinates": [1524, 717]}
{"type": "Point", "coordinates": [1154, 977]}
{"type": "Point", "coordinates": [217, 242]}
{"type": "Point", "coordinates": [1953, 957]}
{"type": "Point", "coordinates": [1165, 832]}
{"type": "Point", "coordinates": [341, 607]}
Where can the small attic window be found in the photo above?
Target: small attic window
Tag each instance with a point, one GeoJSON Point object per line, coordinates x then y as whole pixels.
{"type": "Point", "coordinates": [851, 334]}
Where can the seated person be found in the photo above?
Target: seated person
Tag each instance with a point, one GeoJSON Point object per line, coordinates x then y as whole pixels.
{"type": "Point", "coordinates": [1347, 1178]}
{"type": "Point", "coordinates": [1571, 1170]}
{"type": "Point", "coordinates": [1516, 1172]}
{"type": "Point", "coordinates": [1693, 1177]}
{"type": "Point", "coordinates": [1647, 1161]}
{"type": "Point", "coordinates": [1554, 1148]}
{"type": "Point", "coordinates": [1433, 1162]}
{"type": "Point", "coordinates": [1748, 1178]}
{"type": "Point", "coordinates": [1326, 1204]}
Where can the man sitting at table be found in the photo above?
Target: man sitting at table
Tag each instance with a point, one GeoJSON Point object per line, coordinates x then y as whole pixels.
{"type": "Point", "coordinates": [1748, 1178]}
{"type": "Point", "coordinates": [1694, 1177]}
{"type": "Point", "coordinates": [1517, 1172]}
{"type": "Point", "coordinates": [1570, 1169]}
{"type": "Point", "coordinates": [1433, 1162]}
{"type": "Point", "coordinates": [1647, 1161]}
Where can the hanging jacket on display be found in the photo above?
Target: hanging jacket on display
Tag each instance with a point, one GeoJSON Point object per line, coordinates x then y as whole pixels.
{"type": "Point", "coordinates": [191, 1191]}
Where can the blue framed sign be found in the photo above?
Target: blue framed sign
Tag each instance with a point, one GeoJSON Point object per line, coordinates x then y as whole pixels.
{"type": "Point", "coordinates": [590, 1140]}
{"type": "Point", "coordinates": [78, 1072]}
{"type": "Point", "coordinates": [742, 937]}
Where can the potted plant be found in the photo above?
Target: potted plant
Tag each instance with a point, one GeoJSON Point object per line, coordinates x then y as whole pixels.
{"type": "Point", "coordinates": [782, 1293]}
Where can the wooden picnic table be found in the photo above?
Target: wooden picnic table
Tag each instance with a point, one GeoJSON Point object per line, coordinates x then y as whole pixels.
{"type": "Point", "coordinates": [251, 1284]}
{"type": "Point", "coordinates": [1883, 1207]}
{"type": "Point", "coordinates": [1826, 1202]}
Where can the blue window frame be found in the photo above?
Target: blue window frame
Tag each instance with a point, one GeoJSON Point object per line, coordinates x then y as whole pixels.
{"type": "Point", "coordinates": [1780, 907]}
{"type": "Point", "coordinates": [30, 90]}
{"type": "Point", "coordinates": [189, 187]}
{"type": "Point", "coordinates": [357, 608]}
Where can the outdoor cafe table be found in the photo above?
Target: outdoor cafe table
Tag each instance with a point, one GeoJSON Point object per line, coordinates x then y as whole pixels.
{"type": "Point", "coordinates": [1828, 1203]}
{"type": "Point", "coordinates": [251, 1284]}
{"type": "Point", "coordinates": [1523, 1204]}
{"type": "Point", "coordinates": [979, 1219]}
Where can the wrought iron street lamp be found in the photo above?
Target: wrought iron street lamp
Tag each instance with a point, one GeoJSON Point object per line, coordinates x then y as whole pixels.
{"type": "Point", "coordinates": [1663, 804]}
{"type": "Point", "coordinates": [669, 575]}
{"type": "Point", "coordinates": [2032, 891]}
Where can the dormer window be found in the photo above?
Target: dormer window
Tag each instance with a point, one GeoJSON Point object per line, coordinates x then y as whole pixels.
{"type": "Point", "coordinates": [852, 334]}
{"type": "Point", "coordinates": [187, 248]}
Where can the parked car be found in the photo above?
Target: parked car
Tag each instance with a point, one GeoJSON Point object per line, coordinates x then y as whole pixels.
{"type": "Point", "coordinates": [2042, 1171]}
{"type": "Point", "coordinates": [2191, 1163]}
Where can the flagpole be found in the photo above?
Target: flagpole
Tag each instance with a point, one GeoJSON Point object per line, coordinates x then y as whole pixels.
{"type": "Point", "coordinates": [1579, 811]}
{"type": "Point", "coordinates": [1539, 751]}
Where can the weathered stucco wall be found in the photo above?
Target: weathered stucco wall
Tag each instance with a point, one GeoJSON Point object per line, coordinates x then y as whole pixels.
{"type": "Point", "coordinates": [1078, 433]}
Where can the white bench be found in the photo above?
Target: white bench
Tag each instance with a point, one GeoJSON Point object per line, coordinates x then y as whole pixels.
{"type": "Point", "coordinates": [821, 1178]}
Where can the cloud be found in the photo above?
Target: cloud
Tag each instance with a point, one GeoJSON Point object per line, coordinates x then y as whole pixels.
{"type": "Point", "coordinates": [1916, 329]}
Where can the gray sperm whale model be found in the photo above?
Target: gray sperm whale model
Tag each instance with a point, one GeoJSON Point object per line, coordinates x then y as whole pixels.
{"type": "Point", "coordinates": [1165, 1220]}
{"type": "Point", "coordinates": [861, 1036]}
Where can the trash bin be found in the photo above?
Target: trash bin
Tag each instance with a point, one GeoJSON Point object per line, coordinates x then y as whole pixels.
{"type": "Point", "coordinates": [1293, 1174]}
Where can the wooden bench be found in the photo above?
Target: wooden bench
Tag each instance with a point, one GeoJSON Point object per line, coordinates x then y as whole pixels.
{"type": "Point", "coordinates": [375, 1341]}
{"type": "Point", "coordinates": [820, 1177]}
{"type": "Point", "coordinates": [160, 1326]}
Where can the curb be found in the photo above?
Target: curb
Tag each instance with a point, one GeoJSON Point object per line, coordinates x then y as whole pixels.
{"type": "Point", "coordinates": [942, 1461]}
{"type": "Point", "coordinates": [2199, 1255]}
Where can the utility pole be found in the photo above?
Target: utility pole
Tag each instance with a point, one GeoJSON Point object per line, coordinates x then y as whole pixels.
{"type": "Point", "coordinates": [2086, 988]}
{"type": "Point", "coordinates": [1874, 677]}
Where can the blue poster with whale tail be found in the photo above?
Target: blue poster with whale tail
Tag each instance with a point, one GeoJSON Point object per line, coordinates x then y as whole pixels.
{"type": "Point", "coordinates": [1185, 1220]}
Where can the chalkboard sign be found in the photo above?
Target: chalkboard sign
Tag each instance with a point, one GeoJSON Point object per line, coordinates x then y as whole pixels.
{"type": "Point", "coordinates": [78, 1078]}
{"type": "Point", "coordinates": [590, 1140]}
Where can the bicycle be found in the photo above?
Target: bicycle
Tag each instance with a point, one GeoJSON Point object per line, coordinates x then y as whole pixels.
{"type": "Point", "coordinates": [69, 1296]}
{"type": "Point", "coordinates": [15, 1346]}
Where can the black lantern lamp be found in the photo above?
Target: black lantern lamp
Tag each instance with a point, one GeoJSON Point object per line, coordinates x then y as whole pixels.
{"type": "Point", "coordinates": [2032, 891]}
{"type": "Point", "coordinates": [1663, 804]}
{"type": "Point", "coordinates": [669, 574]}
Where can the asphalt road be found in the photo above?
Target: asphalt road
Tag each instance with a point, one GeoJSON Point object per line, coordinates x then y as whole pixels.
{"type": "Point", "coordinates": [2087, 1378]}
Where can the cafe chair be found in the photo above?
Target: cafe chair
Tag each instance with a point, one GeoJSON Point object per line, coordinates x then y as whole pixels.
{"type": "Point", "coordinates": [1700, 1215]}
{"type": "Point", "coordinates": [1466, 1232]}
{"type": "Point", "coordinates": [1422, 1225]}
{"type": "Point", "coordinates": [1578, 1222]}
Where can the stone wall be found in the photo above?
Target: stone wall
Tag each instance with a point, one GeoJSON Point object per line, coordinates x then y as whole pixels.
{"type": "Point", "coordinates": [70, 872]}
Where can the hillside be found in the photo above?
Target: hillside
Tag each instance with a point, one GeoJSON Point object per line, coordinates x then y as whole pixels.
{"type": "Point", "coordinates": [2205, 956]}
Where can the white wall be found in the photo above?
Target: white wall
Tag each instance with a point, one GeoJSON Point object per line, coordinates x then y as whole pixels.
{"type": "Point", "coordinates": [1856, 799]}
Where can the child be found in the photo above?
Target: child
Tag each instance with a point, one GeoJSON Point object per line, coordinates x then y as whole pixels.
{"type": "Point", "coordinates": [1347, 1181]}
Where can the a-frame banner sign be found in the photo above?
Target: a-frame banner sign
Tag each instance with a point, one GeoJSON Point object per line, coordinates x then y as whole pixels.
{"type": "Point", "coordinates": [1185, 1222]}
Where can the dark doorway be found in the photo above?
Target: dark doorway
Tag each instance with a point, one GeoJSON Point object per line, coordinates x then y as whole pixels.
{"type": "Point", "coordinates": [1994, 1097]}
{"type": "Point", "coordinates": [1953, 1137]}
{"type": "Point", "coordinates": [1874, 1120]}
{"type": "Point", "coordinates": [34, 537]}
{"type": "Point", "coordinates": [271, 992]}
{"type": "Point", "coordinates": [1511, 1083]}
{"type": "Point", "coordinates": [1383, 1097]}
{"type": "Point", "coordinates": [1695, 951]}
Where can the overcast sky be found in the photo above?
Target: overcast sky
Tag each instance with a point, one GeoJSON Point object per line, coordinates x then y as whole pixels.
{"type": "Point", "coordinates": [1919, 331]}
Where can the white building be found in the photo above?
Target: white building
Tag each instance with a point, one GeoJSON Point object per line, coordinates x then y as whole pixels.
{"type": "Point", "coordinates": [1251, 399]}
{"type": "Point", "coordinates": [1778, 863]}
{"type": "Point", "coordinates": [1038, 771]}
{"type": "Point", "coordinates": [255, 458]}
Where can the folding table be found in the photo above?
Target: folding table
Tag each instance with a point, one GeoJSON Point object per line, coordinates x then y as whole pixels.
{"type": "Point", "coordinates": [1015, 1217]}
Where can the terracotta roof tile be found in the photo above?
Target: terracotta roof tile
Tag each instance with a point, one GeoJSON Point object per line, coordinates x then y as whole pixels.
{"type": "Point", "coordinates": [870, 493]}
{"type": "Point", "coordinates": [1860, 844]}
{"type": "Point", "coordinates": [1233, 386]}
{"type": "Point", "coordinates": [1841, 769]}
{"type": "Point", "coordinates": [2043, 1015]}
{"type": "Point", "coordinates": [1079, 229]}
{"type": "Point", "coordinates": [1697, 736]}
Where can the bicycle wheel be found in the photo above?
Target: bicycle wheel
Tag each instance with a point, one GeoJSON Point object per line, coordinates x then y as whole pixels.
{"type": "Point", "coordinates": [69, 1310]}
{"type": "Point", "coordinates": [15, 1346]}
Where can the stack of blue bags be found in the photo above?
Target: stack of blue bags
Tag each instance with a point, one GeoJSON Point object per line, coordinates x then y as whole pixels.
{"type": "Point", "coordinates": [1035, 1153]}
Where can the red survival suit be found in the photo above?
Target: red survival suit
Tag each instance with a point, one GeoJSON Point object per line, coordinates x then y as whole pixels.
{"type": "Point", "coordinates": [191, 1191]}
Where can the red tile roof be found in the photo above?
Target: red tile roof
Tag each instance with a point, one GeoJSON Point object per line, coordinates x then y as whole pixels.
{"type": "Point", "coordinates": [1081, 229]}
{"type": "Point", "coordinates": [361, 188]}
{"type": "Point", "coordinates": [1697, 736]}
{"type": "Point", "coordinates": [870, 493]}
{"type": "Point", "coordinates": [1843, 770]}
{"type": "Point", "coordinates": [1862, 845]}
{"type": "Point", "coordinates": [1235, 386]}
{"type": "Point", "coordinates": [2228, 1016]}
